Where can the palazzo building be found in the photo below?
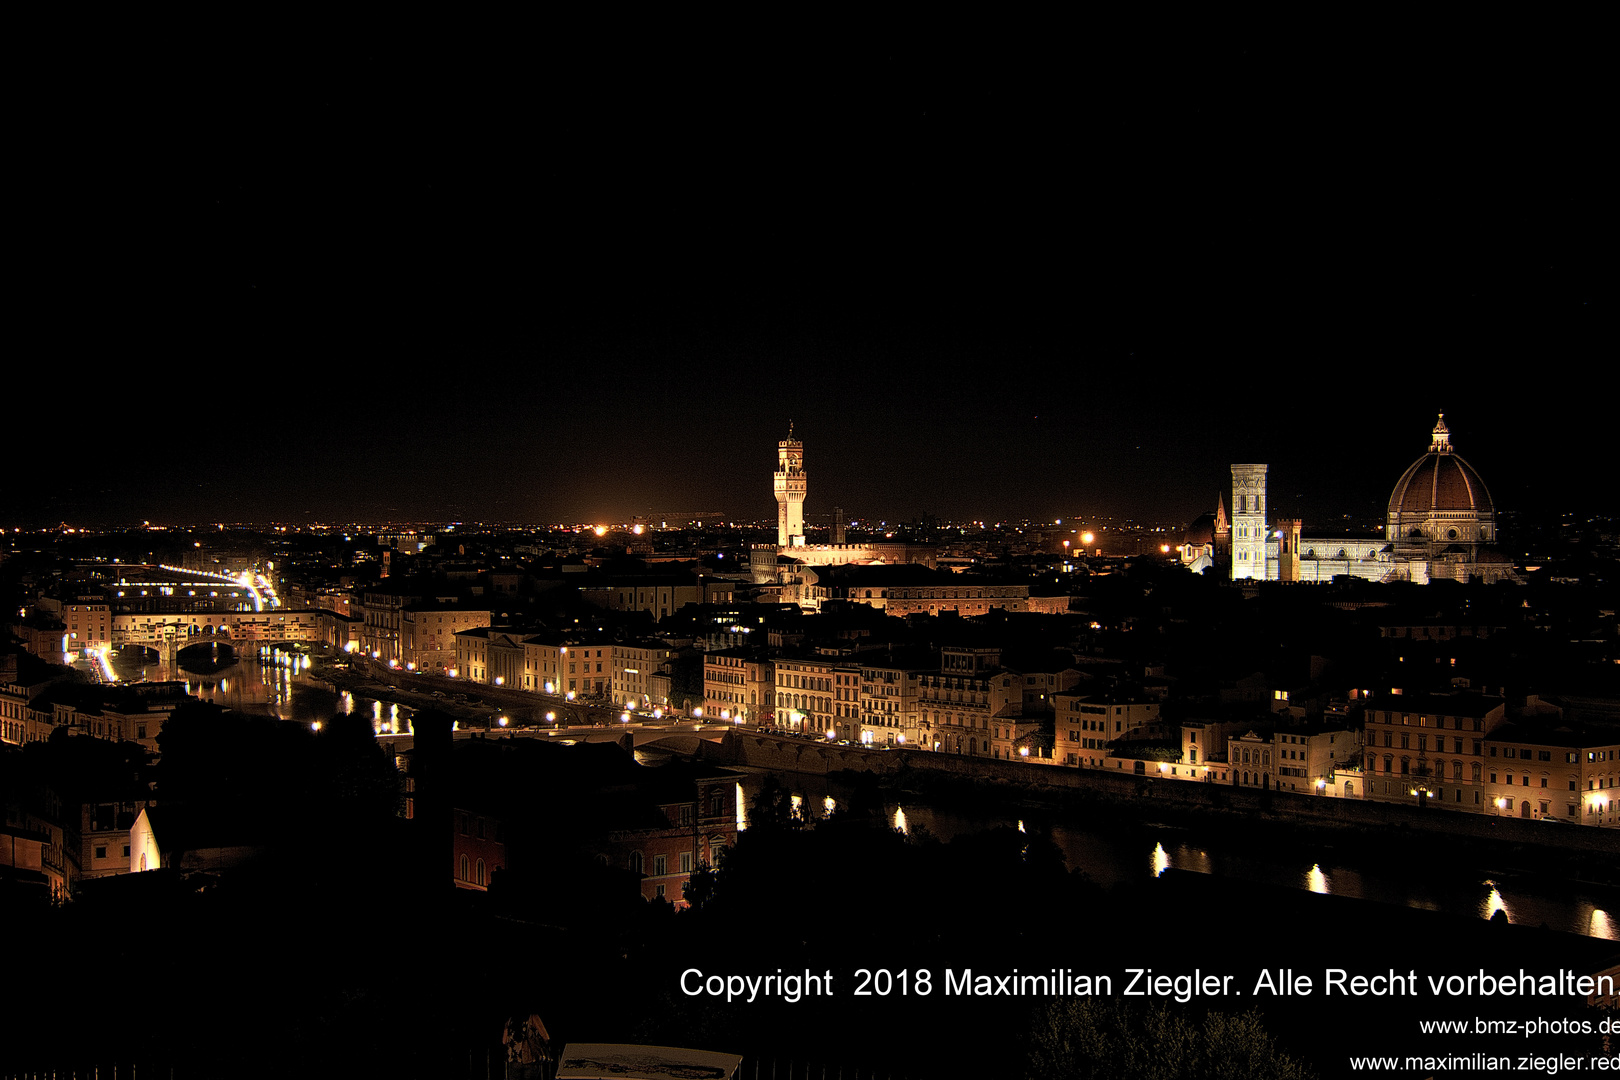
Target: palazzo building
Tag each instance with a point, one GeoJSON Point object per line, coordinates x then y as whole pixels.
{"type": "Point", "coordinates": [783, 563]}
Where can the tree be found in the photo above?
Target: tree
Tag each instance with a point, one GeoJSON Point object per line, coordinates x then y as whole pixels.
{"type": "Point", "coordinates": [772, 809]}
{"type": "Point", "coordinates": [1091, 1039]}
{"type": "Point", "coordinates": [699, 889]}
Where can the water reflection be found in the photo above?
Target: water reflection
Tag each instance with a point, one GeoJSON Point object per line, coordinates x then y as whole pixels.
{"type": "Point", "coordinates": [1111, 853]}
{"type": "Point", "coordinates": [1161, 860]}
{"type": "Point", "coordinates": [270, 681]}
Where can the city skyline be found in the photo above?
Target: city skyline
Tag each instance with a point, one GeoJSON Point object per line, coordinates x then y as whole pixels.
{"type": "Point", "coordinates": [1173, 481]}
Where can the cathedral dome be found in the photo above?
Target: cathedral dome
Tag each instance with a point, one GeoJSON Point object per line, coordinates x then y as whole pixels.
{"type": "Point", "coordinates": [1437, 482]}
{"type": "Point", "coordinates": [1441, 497]}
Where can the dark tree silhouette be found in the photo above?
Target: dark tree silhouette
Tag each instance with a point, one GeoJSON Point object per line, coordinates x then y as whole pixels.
{"type": "Point", "coordinates": [1089, 1039]}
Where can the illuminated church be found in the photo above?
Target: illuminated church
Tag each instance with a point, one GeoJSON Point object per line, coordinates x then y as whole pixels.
{"type": "Point", "coordinates": [1440, 524]}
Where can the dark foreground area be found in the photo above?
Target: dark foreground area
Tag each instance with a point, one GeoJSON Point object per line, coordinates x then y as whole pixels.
{"type": "Point", "coordinates": [331, 958]}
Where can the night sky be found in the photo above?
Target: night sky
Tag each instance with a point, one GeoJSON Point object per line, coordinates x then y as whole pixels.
{"type": "Point", "coordinates": [576, 277]}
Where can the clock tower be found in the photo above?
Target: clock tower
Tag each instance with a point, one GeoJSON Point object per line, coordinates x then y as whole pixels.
{"type": "Point", "coordinates": [790, 485]}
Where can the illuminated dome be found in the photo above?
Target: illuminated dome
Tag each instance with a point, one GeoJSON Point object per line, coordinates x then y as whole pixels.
{"type": "Point", "coordinates": [1440, 502]}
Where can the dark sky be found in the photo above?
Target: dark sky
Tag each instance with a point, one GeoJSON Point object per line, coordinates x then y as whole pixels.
{"type": "Point", "coordinates": [576, 277]}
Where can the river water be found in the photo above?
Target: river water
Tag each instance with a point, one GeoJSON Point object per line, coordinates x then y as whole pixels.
{"type": "Point", "coordinates": [1112, 852]}
{"type": "Point", "coordinates": [273, 682]}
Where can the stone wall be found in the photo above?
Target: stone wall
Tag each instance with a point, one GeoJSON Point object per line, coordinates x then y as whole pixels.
{"type": "Point", "coordinates": [806, 756]}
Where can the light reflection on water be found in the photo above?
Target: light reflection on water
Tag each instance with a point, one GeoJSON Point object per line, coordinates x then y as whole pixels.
{"type": "Point", "coordinates": [1111, 858]}
{"type": "Point", "coordinates": [255, 683]}
{"type": "Point", "coordinates": [274, 683]}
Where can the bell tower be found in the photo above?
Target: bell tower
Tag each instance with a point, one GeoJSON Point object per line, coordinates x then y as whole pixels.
{"type": "Point", "coordinates": [1248, 522]}
{"type": "Point", "coordinates": [790, 486]}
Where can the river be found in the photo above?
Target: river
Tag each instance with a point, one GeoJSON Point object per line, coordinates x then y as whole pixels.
{"type": "Point", "coordinates": [1116, 851]}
